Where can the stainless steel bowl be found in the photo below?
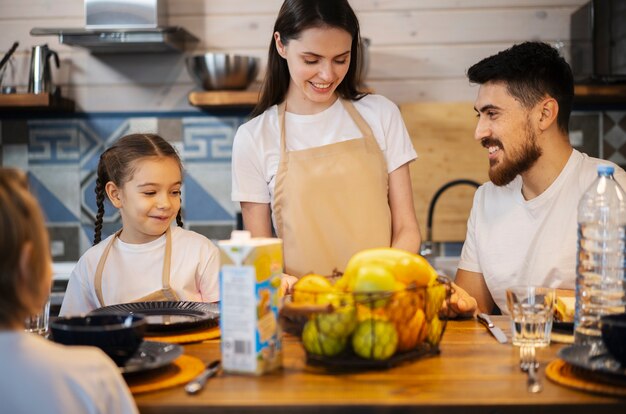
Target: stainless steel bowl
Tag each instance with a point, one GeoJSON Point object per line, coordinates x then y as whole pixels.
{"type": "Point", "coordinates": [215, 71]}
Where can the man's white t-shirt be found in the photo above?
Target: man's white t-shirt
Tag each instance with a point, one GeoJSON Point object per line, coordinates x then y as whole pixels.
{"type": "Point", "coordinates": [39, 376]}
{"type": "Point", "coordinates": [133, 271]}
{"type": "Point", "coordinates": [256, 147]}
{"type": "Point", "coordinates": [512, 241]}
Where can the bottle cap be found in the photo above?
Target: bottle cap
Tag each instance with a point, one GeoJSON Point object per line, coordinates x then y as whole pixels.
{"type": "Point", "coordinates": [240, 235]}
{"type": "Point", "coordinates": [604, 169]}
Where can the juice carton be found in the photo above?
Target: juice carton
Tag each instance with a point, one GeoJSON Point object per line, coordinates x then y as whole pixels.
{"type": "Point", "coordinates": [249, 303]}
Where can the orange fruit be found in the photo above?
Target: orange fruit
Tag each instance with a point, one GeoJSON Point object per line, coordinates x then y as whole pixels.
{"type": "Point", "coordinates": [412, 333]}
{"type": "Point", "coordinates": [363, 312]}
{"type": "Point", "coordinates": [403, 304]}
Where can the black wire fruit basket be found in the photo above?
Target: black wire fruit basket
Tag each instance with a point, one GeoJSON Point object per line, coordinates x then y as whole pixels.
{"type": "Point", "coordinates": [368, 330]}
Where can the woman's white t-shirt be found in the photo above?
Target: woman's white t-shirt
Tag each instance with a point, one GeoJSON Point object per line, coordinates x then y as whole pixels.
{"type": "Point", "coordinates": [256, 148]}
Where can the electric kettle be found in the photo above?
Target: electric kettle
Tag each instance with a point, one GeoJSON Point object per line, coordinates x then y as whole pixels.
{"type": "Point", "coordinates": [40, 76]}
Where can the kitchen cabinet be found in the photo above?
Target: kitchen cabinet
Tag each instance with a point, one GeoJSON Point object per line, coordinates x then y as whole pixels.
{"type": "Point", "coordinates": [31, 101]}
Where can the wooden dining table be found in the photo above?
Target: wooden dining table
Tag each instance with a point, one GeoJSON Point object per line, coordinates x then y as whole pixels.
{"type": "Point", "coordinates": [473, 373]}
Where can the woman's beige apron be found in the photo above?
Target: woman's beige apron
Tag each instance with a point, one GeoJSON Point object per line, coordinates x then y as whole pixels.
{"type": "Point", "coordinates": [164, 294]}
{"type": "Point", "coordinates": [331, 201]}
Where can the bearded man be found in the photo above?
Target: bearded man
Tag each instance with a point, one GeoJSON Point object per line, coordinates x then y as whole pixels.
{"type": "Point", "coordinates": [522, 229]}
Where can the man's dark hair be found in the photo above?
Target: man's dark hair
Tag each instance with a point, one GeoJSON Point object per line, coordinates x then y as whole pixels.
{"type": "Point", "coordinates": [530, 70]}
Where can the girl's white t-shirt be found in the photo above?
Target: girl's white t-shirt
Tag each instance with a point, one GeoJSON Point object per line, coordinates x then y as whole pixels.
{"type": "Point", "coordinates": [132, 271]}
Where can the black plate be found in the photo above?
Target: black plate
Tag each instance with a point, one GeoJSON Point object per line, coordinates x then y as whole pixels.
{"type": "Point", "coordinates": [578, 356]}
{"type": "Point", "coordinates": [563, 327]}
{"type": "Point", "coordinates": [151, 355]}
{"type": "Point", "coordinates": [170, 316]}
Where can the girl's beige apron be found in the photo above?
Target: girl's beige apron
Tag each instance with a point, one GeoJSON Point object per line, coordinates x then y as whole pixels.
{"type": "Point", "coordinates": [331, 201]}
{"type": "Point", "coordinates": [164, 294]}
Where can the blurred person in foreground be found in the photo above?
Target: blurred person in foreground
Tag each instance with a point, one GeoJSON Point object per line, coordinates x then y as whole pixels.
{"type": "Point", "coordinates": [522, 229]}
{"type": "Point", "coordinates": [38, 375]}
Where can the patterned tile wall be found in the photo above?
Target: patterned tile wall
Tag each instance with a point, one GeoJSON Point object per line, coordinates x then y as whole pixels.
{"type": "Point", "coordinates": [61, 156]}
{"type": "Point", "coordinates": [614, 134]}
{"type": "Point", "coordinates": [600, 134]}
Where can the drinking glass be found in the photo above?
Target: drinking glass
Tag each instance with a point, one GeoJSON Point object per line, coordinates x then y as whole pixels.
{"type": "Point", "coordinates": [38, 323]}
{"type": "Point", "coordinates": [531, 309]}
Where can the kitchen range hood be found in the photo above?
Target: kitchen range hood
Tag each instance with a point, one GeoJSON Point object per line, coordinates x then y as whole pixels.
{"type": "Point", "coordinates": [123, 26]}
{"type": "Point", "coordinates": [158, 39]}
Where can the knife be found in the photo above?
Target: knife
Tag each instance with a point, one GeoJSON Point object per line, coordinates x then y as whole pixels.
{"type": "Point", "coordinates": [495, 331]}
{"type": "Point", "coordinates": [197, 383]}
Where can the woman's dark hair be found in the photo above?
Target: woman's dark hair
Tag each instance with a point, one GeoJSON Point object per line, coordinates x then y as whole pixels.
{"type": "Point", "coordinates": [294, 17]}
{"type": "Point", "coordinates": [530, 70]}
{"type": "Point", "coordinates": [117, 165]}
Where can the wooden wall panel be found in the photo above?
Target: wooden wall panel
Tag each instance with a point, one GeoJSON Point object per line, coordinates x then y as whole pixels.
{"type": "Point", "coordinates": [397, 27]}
{"type": "Point", "coordinates": [180, 7]}
{"type": "Point", "coordinates": [442, 134]}
{"type": "Point", "coordinates": [465, 26]}
{"type": "Point", "coordinates": [53, 9]}
{"type": "Point", "coordinates": [131, 98]}
{"type": "Point", "coordinates": [453, 4]}
{"type": "Point", "coordinates": [419, 51]}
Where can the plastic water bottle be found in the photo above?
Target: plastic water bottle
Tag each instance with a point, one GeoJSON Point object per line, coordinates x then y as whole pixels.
{"type": "Point", "coordinates": [600, 283]}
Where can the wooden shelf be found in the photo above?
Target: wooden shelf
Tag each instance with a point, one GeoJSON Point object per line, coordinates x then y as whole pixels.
{"type": "Point", "coordinates": [31, 101]}
{"type": "Point", "coordinates": [600, 94]}
{"type": "Point", "coordinates": [224, 98]}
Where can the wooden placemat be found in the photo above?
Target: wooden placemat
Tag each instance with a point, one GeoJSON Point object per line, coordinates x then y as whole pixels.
{"type": "Point", "coordinates": [182, 370]}
{"type": "Point", "coordinates": [187, 338]}
{"type": "Point", "coordinates": [561, 338]}
{"type": "Point", "coordinates": [563, 373]}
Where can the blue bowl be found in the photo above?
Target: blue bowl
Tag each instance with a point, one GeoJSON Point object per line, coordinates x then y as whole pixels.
{"type": "Point", "coordinates": [117, 334]}
{"type": "Point", "coordinates": [614, 335]}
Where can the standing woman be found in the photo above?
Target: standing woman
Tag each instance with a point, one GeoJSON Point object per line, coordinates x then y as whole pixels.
{"type": "Point", "coordinates": [322, 161]}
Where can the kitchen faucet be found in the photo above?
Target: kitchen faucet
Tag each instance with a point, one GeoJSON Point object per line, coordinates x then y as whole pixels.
{"type": "Point", "coordinates": [427, 248]}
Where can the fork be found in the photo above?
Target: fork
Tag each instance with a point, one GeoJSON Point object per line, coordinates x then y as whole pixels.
{"type": "Point", "coordinates": [529, 364]}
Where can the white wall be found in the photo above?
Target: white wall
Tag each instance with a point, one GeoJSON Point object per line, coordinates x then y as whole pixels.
{"type": "Point", "coordinates": [420, 48]}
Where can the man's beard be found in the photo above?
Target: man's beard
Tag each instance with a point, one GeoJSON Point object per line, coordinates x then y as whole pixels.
{"type": "Point", "coordinates": [503, 172]}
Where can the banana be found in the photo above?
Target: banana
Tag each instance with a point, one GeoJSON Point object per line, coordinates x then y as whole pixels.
{"type": "Point", "coordinates": [406, 267]}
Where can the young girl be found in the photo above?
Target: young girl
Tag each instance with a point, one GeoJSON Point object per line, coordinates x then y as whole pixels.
{"type": "Point", "coordinates": [327, 164]}
{"type": "Point", "coordinates": [147, 259]}
{"type": "Point", "coordinates": [38, 375]}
